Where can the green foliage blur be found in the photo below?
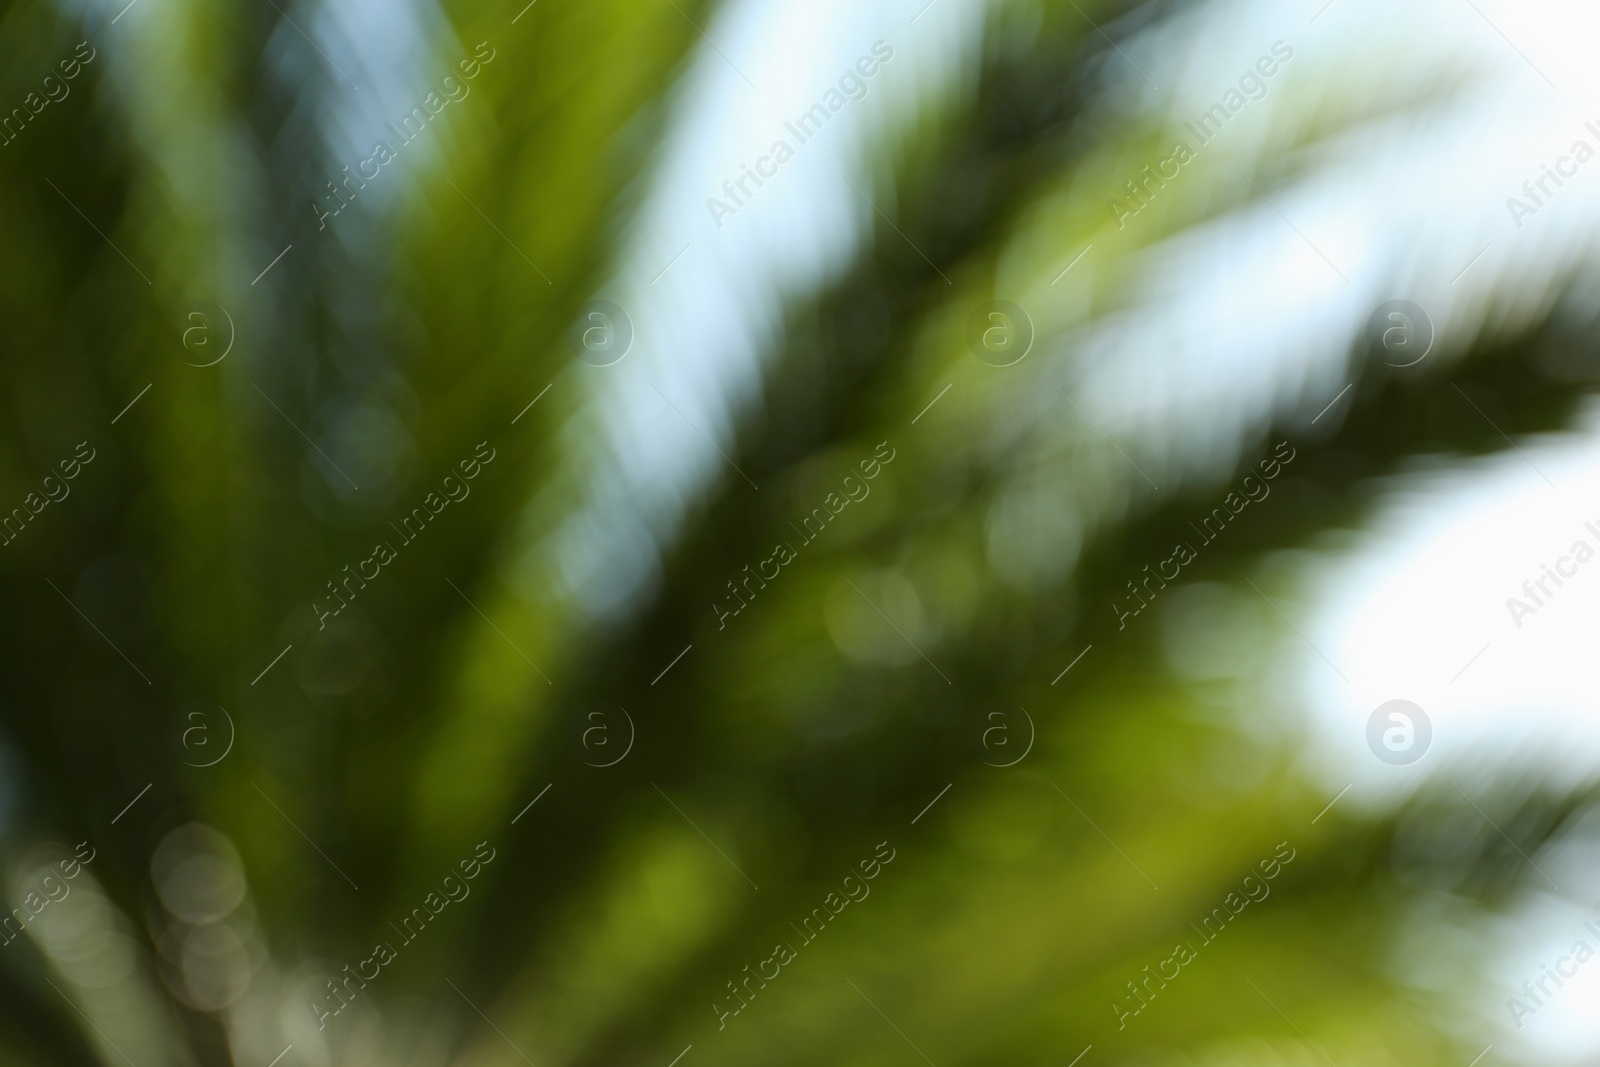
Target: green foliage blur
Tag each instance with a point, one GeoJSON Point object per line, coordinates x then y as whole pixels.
{"type": "Point", "coordinates": [620, 917]}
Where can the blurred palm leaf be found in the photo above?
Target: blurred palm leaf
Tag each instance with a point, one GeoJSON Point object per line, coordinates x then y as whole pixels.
{"type": "Point", "coordinates": [448, 695]}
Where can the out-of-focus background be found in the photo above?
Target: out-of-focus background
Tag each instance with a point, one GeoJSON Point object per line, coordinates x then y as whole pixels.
{"type": "Point", "coordinates": [671, 532]}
